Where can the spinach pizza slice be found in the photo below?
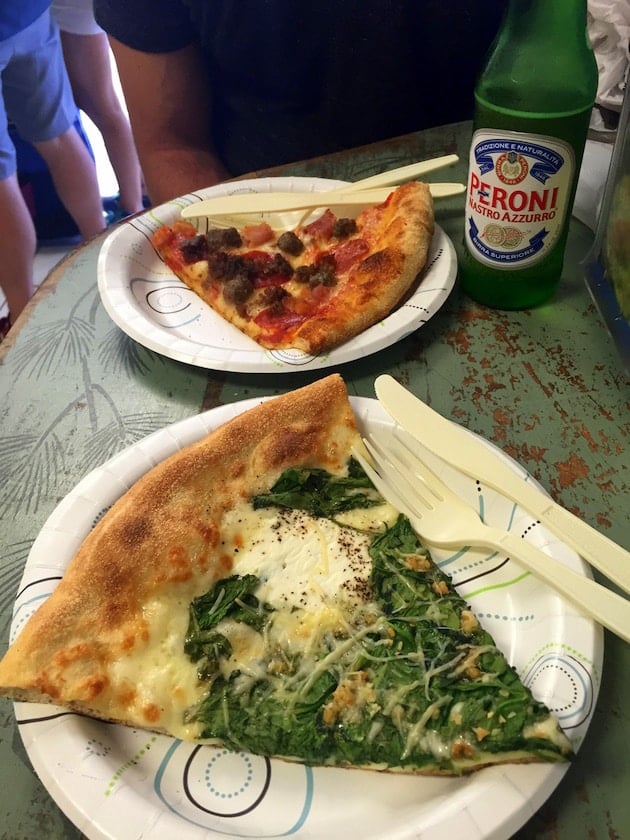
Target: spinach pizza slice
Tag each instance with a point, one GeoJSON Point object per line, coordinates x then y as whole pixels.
{"type": "Point", "coordinates": [254, 590]}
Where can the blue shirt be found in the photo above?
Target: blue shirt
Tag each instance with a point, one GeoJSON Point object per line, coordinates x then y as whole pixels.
{"type": "Point", "coordinates": [294, 79]}
{"type": "Point", "coordinates": [16, 15]}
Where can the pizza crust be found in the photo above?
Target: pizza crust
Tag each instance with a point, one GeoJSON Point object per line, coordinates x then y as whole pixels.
{"type": "Point", "coordinates": [169, 523]}
{"type": "Point", "coordinates": [399, 236]}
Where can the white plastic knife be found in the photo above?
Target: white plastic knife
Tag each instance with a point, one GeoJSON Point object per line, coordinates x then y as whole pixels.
{"type": "Point", "coordinates": [348, 197]}
{"type": "Point", "coordinates": [267, 202]}
{"type": "Point", "coordinates": [457, 447]}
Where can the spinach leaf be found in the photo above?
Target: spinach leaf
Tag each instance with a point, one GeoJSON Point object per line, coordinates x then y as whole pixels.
{"type": "Point", "coordinates": [260, 721]}
{"type": "Point", "coordinates": [207, 652]}
{"type": "Point", "coordinates": [320, 493]}
{"type": "Point", "coordinates": [230, 597]}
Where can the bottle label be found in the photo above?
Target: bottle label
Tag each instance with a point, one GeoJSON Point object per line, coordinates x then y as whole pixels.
{"type": "Point", "coordinates": [518, 195]}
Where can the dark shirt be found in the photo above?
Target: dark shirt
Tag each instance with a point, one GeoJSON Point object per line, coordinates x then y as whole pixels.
{"type": "Point", "coordinates": [16, 15]}
{"type": "Point", "coordinates": [292, 79]}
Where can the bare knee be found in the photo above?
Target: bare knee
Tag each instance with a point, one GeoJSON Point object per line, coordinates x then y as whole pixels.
{"type": "Point", "coordinates": [65, 148]}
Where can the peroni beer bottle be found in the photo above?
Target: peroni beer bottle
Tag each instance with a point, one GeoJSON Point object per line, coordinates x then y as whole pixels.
{"type": "Point", "coordinates": [532, 109]}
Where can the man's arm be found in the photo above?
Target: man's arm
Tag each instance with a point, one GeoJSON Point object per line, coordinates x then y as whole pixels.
{"type": "Point", "coordinates": [169, 108]}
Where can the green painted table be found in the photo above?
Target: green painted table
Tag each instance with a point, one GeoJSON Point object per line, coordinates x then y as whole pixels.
{"type": "Point", "coordinates": [545, 385]}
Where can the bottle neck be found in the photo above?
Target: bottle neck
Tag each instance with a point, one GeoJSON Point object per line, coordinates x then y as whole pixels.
{"type": "Point", "coordinates": [541, 60]}
{"type": "Point", "coordinates": [555, 20]}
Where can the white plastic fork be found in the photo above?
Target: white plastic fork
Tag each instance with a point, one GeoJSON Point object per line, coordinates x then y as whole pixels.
{"type": "Point", "coordinates": [442, 519]}
{"type": "Point", "coordinates": [410, 172]}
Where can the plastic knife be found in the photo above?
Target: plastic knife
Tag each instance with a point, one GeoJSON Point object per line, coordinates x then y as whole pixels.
{"type": "Point", "coordinates": [236, 204]}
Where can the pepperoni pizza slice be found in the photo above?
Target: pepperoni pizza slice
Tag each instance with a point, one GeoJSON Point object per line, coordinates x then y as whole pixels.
{"type": "Point", "coordinates": [314, 287]}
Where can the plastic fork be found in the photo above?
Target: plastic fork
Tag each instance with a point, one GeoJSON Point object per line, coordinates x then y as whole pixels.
{"type": "Point", "coordinates": [442, 519]}
{"type": "Point", "coordinates": [401, 174]}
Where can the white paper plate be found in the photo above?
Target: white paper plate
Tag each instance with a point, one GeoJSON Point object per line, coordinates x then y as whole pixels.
{"type": "Point", "coordinates": [119, 783]}
{"type": "Point", "coordinates": [145, 299]}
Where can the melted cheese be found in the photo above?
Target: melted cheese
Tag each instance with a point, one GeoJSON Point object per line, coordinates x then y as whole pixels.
{"type": "Point", "coordinates": [368, 519]}
{"type": "Point", "coordinates": [303, 562]}
{"type": "Point", "coordinates": [248, 649]}
{"type": "Point", "coordinates": [546, 730]}
{"type": "Point", "coordinates": [158, 673]}
{"type": "Point", "coordinates": [313, 573]}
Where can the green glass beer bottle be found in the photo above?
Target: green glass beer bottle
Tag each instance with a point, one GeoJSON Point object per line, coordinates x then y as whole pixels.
{"type": "Point", "coordinates": [533, 103]}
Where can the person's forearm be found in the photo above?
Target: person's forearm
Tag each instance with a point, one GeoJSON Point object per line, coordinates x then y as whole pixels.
{"type": "Point", "coordinates": [170, 118]}
{"type": "Point", "coordinates": [172, 172]}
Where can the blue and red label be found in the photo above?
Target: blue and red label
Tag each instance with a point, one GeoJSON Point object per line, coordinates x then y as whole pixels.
{"type": "Point", "coordinates": [517, 197]}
